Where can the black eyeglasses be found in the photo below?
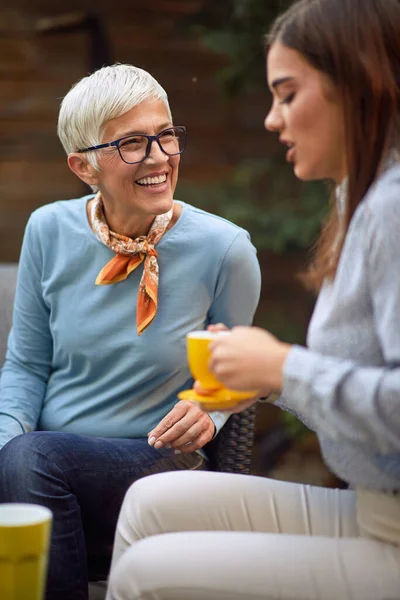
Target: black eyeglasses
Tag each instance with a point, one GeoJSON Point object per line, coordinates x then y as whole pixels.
{"type": "Point", "coordinates": [136, 147]}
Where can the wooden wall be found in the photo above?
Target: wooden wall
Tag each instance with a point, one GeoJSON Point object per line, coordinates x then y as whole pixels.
{"type": "Point", "coordinates": [38, 66]}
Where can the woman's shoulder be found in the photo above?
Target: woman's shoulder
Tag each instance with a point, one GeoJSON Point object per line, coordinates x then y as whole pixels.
{"type": "Point", "coordinates": [383, 198]}
{"type": "Point", "coordinates": [210, 225]}
{"type": "Point", "coordinates": [382, 212]}
{"type": "Point", "coordinates": [59, 212]}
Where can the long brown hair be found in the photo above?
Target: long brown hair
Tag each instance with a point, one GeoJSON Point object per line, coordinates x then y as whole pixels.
{"type": "Point", "coordinates": [357, 44]}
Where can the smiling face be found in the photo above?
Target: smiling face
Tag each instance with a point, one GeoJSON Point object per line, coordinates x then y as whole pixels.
{"type": "Point", "coordinates": [307, 114]}
{"type": "Point", "coordinates": [141, 190]}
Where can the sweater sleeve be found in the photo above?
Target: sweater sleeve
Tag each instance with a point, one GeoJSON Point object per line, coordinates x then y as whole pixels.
{"type": "Point", "coordinates": [343, 399]}
{"type": "Point", "coordinates": [238, 287]}
{"type": "Point", "coordinates": [29, 353]}
{"type": "Point", "coordinates": [237, 293]}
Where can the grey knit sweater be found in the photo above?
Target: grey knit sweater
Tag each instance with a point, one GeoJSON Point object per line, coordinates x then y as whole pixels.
{"type": "Point", "coordinates": [346, 384]}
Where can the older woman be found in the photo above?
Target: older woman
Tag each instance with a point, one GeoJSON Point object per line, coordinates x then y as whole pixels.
{"type": "Point", "coordinates": [108, 286]}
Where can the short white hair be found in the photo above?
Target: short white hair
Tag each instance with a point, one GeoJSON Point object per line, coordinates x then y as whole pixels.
{"type": "Point", "coordinates": [96, 99]}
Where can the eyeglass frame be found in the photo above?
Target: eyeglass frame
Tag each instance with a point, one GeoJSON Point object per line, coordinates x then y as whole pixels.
{"type": "Point", "coordinates": [150, 140]}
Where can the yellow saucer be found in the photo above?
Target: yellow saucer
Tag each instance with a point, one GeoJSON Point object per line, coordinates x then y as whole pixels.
{"type": "Point", "coordinates": [221, 399]}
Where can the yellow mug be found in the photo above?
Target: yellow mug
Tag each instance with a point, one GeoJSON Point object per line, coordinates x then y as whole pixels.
{"type": "Point", "coordinates": [24, 550]}
{"type": "Point", "coordinates": [198, 356]}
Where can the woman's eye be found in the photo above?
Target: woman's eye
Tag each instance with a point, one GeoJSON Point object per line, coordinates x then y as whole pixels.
{"type": "Point", "coordinates": [288, 99]}
{"type": "Point", "coordinates": [132, 141]}
{"type": "Point", "coordinates": [167, 134]}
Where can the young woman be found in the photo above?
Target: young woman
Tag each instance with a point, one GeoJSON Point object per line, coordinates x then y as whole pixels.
{"type": "Point", "coordinates": [334, 73]}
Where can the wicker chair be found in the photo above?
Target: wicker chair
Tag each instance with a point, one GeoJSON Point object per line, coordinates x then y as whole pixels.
{"type": "Point", "coordinates": [230, 451]}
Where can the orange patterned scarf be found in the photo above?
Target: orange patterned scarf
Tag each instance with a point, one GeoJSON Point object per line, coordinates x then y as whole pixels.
{"type": "Point", "coordinates": [129, 255]}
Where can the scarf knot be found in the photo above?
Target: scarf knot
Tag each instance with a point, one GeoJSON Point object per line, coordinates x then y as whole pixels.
{"type": "Point", "coordinates": [129, 255]}
{"type": "Point", "coordinates": [145, 248]}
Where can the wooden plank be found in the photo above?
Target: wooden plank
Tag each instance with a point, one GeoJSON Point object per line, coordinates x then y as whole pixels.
{"type": "Point", "coordinates": [170, 7]}
{"type": "Point", "coordinates": [13, 20]}
{"type": "Point", "coordinates": [29, 179]}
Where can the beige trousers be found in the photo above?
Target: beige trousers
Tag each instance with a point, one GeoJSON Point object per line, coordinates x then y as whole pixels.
{"type": "Point", "coordinates": [217, 536]}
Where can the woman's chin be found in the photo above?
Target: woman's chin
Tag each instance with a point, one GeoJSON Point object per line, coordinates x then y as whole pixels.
{"type": "Point", "coordinates": [164, 199]}
{"type": "Point", "coordinates": [303, 173]}
{"type": "Point", "coordinates": [163, 204]}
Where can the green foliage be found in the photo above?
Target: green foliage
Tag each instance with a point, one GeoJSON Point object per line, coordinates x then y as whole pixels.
{"type": "Point", "coordinates": [295, 428]}
{"type": "Point", "coordinates": [265, 198]}
{"type": "Point", "coordinates": [280, 321]}
{"type": "Point", "coordinates": [236, 29]}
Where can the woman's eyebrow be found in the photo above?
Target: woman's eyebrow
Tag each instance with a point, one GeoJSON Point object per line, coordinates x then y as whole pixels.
{"type": "Point", "coordinates": [277, 82]}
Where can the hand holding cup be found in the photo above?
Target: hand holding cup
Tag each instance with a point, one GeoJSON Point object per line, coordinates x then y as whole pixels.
{"type": "Point", "coordinates": [216, 396]}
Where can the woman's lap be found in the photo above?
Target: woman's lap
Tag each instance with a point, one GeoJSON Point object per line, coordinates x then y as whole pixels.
{"type": "Point", "coordinates": [227, 502]}
{"type": "Point", "coordinates": [221, 537]}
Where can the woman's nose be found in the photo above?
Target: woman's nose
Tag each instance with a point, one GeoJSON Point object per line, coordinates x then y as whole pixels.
{"type": "Point", "coordinates": [273, 121]}
{"type": "Point", "coordinates": [156, 154]}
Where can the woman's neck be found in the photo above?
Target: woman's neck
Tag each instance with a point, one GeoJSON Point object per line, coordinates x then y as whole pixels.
{"type": "Point", "coordinates": [132, 227]}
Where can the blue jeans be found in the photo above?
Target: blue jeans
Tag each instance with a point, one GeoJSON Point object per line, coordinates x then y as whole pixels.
{"type": "Point", "coordinates": [83, 481]}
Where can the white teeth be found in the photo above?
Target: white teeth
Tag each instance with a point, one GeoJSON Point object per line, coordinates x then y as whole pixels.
{"type": "Point", "coordinates": [152, 180]}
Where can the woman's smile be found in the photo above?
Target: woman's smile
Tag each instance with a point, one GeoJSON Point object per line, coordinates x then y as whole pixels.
{"type": "Point", "coordinates": [155, 182]}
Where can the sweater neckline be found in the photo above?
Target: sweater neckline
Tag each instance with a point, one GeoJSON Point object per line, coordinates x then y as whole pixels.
{"type": "Point", "coordinates": [166, 235]}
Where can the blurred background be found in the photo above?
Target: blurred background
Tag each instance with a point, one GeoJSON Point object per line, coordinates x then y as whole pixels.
{"type": "Point", "coordinates": [209, 56]}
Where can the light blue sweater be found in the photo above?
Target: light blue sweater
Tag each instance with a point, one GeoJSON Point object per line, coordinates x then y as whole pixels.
{"type": "Point", "coordinates": [75, 362]}
{"type": "Point", "coordinates": [347, 384]}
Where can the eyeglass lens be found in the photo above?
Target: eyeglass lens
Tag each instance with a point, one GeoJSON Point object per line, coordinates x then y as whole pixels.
{"type": "Point", "coordinates": [133, 148]}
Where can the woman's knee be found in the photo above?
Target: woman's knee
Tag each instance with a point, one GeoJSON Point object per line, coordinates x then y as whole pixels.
{"type": "Point", "coordinates": [121, 579]}
{"type": "Point", "coordinates": [162, 491]}
{"type": "Point", "coordinates": [168, 486]}
{"type": "Point", "coordinates": [23, 461]}
{"type": "Point", "coordinates": [144, 498]}
{"type": "Point", "coordinates": [131, 577]}
{"type": "Point", "coordinates": [151, 504]}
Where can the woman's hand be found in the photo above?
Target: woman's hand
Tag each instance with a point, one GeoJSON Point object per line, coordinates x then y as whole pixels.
{"type": "Point", "coordinates": [249, 358]}
{"type": "Point", "coordinates": [186, 428]}
{"type": "Point", "coordinates": [217, 327]}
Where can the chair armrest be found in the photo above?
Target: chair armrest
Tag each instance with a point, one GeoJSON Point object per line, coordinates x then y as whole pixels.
{"type": "Point", "coordinates": [231, 449]}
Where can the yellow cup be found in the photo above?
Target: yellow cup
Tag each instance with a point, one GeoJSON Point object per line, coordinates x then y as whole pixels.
{"type": "Point", "coordinates": [199, 354]}
{"type": "Point", "coordinates": [24, 549]}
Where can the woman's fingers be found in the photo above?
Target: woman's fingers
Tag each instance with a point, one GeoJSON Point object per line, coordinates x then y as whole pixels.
{"type": "Point", "coordinates": [249, 358]}
{"type": "Point", "coordinates": [185, 423]}
{"type": "Point", "coordinates": [204, 391]}
{"type": "Point", "coordinates": [217, 327]}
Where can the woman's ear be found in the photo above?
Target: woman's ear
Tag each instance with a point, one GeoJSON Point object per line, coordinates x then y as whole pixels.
{"type": "Point", "coordinates": [82, 168]}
